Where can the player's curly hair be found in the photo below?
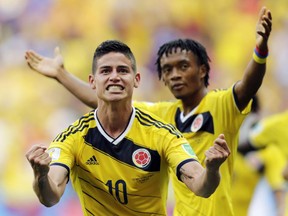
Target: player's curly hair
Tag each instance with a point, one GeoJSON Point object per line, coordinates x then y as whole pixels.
{"type": "Point", "coordinates": [113, 46]}
{"type": "Point", "coordinates": [189, 45]}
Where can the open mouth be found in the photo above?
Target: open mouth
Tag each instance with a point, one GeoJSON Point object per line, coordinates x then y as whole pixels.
{"type": "Point", "coordinates": [114, 88]}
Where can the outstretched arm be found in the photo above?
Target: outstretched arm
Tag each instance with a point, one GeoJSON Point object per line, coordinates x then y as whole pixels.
{"type": "Point", "coordinates": [54, 68]}
{"type": "Point", "coordinates": [255, 71]}
{"type": "Point", "coordinates": [203, 182]}
{"type": "Point", "coordinates": [49, 182]}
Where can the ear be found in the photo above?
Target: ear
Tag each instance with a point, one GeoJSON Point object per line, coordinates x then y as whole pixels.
{"type": "Point", "coordinates": [203, 71]}
{"type": "Point", "coordinates": [137, 80]}
{"type": "Point", "coordinates": [92, 81]}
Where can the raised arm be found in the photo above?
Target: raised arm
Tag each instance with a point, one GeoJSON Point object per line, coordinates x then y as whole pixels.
{"type": "Point", "coordinates": [54, 68]}
{"type": "Point", "coordinates": [203, 182]}
{"type": "Point", "coordinates": [255, 71]}
{"type": "Point", "coordinates": [49, 182]}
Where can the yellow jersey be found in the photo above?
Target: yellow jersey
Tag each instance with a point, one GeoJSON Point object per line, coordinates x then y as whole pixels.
{"type": "Point", "coordinates": [246, 176]}
{"type": "Point", "coordinates": [272, 130]}
{"type": "Point", "coordinates": [123, 176]}
{"type": "Point", "coordinates": [216, 113]}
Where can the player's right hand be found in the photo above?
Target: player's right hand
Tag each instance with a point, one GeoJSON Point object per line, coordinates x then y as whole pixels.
{"type": "Point", "coordinates": [50, 67]}
{"type": "Point", "coordinates": [39, 160]}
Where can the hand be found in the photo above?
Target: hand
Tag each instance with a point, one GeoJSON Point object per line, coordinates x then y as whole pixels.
{"type": "Point", "coordinates": [49, 67]}
{"type": "Point", "coordinates": [217, 153]}
{"type": "Point", "coordinates": [263, 29]}
{"type": "Point", "coordinates": [39, 160]}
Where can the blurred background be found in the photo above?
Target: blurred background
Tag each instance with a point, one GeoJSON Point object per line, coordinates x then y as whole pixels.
{"type": "Point", "coordinates": [33, 108]}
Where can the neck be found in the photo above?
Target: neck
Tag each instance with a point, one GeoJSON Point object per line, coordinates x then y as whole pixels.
{"type": "Point", "coordinates": [192, 101]}
{"type": "Point", "coordinates": [114, 117]}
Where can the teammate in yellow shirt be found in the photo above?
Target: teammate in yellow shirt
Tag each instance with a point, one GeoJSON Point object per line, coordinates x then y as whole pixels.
{"type": "Point", "coordinates": [272, 130]}
{"type": "Point", "coordinates": [256, 167]}
{"type": "Point", "coordinates": [118, 164]}
{"type": "Point", "coordinates": [200, 115]}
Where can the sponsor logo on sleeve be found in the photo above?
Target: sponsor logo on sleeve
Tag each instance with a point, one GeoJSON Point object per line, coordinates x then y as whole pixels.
{"type": "Point", "coordinates": [187, 148]}
{"type": "Point", "coordinates": [54, 153]}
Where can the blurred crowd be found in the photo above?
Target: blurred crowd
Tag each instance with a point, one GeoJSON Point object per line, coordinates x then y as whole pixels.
{"type": "Point", "coordinates": [33, 109]}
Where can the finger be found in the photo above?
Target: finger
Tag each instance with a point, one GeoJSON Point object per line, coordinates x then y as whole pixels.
{"type": "Point", "coordinates": [222, 146]}
{"type": "Point", "coordinates": [32, 64]}
{"type": "Point", "coordinates": [35, 151]}
{"type": "Point", "coordinates": [262, 13]}
{"type": "Point", "coordinates": [221, 136]}
{"type": "Point", "coordinates": [36, 57]}
{"type": "Point", "coordinates": [31, 58]}
{"type": "Point", "coordinates": [268, 13]}
{"type": "Point", "coordinates": [267, 25]}
{"type": "Point", "coordinates": [263, 35]}
{"type": "Point", "coordinates": [224, 152]}
{"type": "Point", "coordinates": [57, 51]}
{"type": "Point", "coordinates": [43, 159]}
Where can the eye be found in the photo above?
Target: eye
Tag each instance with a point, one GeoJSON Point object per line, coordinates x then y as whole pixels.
{"type": "Point", "coordinates": [105, 71]}
{"type": "Point", "coordinates": [123, 70]}
{"type": "Point", "coordinates": [166, 70]}
{"type": "Point", "coordinates": [184, 66]}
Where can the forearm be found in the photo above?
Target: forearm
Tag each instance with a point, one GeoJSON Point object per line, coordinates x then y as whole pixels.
{"type": "Point", "coordinates": [77, 87]}
{"type": "Point", "coordinates": [250, 83]}
{"type": "Point", "coordinates": [204, 183]}
{"type": "Point", "coordinates": [46, 191]}
{"type": "Point", "coordinates": [208, 183]}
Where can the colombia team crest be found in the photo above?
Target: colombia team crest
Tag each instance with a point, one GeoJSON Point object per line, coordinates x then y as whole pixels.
{"type": "Point", "coordinates": [141, 158]}
{"type": "Point", "coordinates": [197, 123]}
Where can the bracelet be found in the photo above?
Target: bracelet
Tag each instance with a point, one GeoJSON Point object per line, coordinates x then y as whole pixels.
{"type": "Point", "coordinates": [261, 54]}
{"type": "Point", "coordinates": [258, 58]}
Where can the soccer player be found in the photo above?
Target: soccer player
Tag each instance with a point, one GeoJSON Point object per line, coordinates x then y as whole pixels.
{"type": "Point", "coordinates": [270, 131]}
{"type": "Point", "coordinates": [200, 115]}
{"type": "Point", "coordinates": [118, 164]}
{"type": "Point", "coordinates": [258, 167]}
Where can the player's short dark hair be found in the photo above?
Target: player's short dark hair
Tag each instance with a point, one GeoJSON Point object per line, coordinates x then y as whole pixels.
{"type": "Point", "coordinates": [113, 46]}
{"type": "Point", "coordinates": [189, 45]}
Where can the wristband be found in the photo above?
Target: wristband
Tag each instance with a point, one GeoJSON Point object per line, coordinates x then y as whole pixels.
{"type": "Point", "coordinates": [261, 54]}
{"type": "Point", "coordinates": [259, 58]}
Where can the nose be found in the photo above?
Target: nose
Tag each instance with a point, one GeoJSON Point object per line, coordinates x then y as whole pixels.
{"type": "Point", "coordinates": [174, 73]}
{"type": "Point", "coordinates": [114, 75]}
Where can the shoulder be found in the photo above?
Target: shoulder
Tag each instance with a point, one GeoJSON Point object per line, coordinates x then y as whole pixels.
{"type": "Point", "coordinates": [155, 123]}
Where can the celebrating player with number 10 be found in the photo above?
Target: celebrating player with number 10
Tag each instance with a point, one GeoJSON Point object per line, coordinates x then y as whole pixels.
{"type": "Point", "coordinates": [117, 156]}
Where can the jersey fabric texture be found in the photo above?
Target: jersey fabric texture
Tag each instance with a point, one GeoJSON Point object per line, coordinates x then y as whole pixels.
{"type": "Point", "coordinates": [123, 176]}
{"type": "Point", "coordinates": [272, 130]}
{"type": "Point", "coordinates": [217, 113]}
{"type": "Point", "coordinates": [246, 176]}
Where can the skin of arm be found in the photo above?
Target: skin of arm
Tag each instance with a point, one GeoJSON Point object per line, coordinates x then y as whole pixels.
{"type": "Point", "coordinates": [204, 182]}
{"type": "Point", "coordinates": [246, 88]}
{"type": "Point", "coordinates": [49, 182]}
{"type": "Point", "coordinates": [54, 68]}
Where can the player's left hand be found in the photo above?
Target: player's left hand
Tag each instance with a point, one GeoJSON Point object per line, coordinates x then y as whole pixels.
{"type": "Point", "coordinates": [217, 153]}
{"type": "Point", "coordinates": [263, 28]}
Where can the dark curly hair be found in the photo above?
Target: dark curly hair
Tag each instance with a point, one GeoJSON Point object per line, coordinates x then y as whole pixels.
{"type": "Point", "coordinates": [189, 45]}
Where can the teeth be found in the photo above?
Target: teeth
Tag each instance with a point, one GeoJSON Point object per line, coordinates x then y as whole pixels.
{"type": "Point", "coordinates": [114, 88]}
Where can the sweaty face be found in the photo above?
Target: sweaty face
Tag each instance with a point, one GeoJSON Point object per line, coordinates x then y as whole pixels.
{"type": "Point", "coordinates": [182, 74]}
{"type": "Point", "coordinates": [114, 78]}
